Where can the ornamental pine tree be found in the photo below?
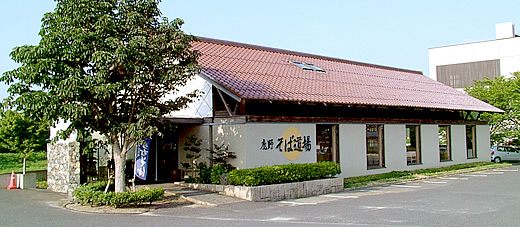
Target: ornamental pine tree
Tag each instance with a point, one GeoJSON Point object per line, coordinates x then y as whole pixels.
{"type": "Point", "coordinates": [104, 66]}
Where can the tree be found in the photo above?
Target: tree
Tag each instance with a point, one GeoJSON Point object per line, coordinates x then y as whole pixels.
{"type": "Point", "coordinates": [503, 93]}
{"type": "Point", "coordinates": [19, 134]}
{"type": "Point", "coordinates": [104, 66]}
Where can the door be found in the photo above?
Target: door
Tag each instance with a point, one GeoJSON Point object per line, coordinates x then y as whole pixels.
{"type": "Point", "coordinates": [515, 155]}
{"type": "Point", "coordinates": [503, 153]}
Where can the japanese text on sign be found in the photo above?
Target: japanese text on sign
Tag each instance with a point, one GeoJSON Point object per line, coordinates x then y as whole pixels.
{"type": "Point", "coordinates": [290, 144]}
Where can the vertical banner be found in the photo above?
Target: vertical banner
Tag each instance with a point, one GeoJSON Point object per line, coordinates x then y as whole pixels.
{"type": "Point", "coordinates": [141, 159]}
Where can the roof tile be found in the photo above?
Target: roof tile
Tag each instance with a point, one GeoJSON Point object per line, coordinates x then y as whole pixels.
{"type": "Point", "coordinates": [254, 72]}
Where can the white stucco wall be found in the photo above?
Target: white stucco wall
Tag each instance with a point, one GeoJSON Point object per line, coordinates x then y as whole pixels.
{"type": "Point", "coordinates": [429, 147]}
{"type": "Point", "coordinates": [458, 144]}
{"type": "Point", "coordinates": [234, 135]}
{"type": "Point", "coordinates": [257, 132]}
{"type": "Point", "coordinates": [201, 132]}
{"type": "Point", "coordinates": [395, 146]}
{"type": "Point", "coordinates": [483, 143]}
{"type": "Point", "coordinates": [352, 148]}
{"type": "Point", "coordinates": [246, 140]}
{"type": "Point", "coordinates": [202, 107]}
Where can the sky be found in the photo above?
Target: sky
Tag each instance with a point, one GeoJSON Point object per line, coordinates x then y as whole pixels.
{"type": "Point", "coordinates": [394, 33]}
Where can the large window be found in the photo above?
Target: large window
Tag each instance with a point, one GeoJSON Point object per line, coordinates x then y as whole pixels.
{"type": "Point", "coordinates": [375, 147]}
{"type": "Point", "coordinates": [327, 143]}
{"type": "Point", "coordinates": [444, 143]}
{"type": "Point", "coordinates": [413, 144]}
{"type": "Point", "coordinates": [470, 141]}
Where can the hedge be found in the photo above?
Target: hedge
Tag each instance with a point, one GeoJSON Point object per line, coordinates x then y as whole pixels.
{"type": "Point", "coordinates": [283, 173]}
{"type": "Point", "coordinates": [93, 194]}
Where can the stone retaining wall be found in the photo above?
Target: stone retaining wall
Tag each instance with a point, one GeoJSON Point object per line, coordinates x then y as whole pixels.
{"type": "Point", "coordinates": [30, 179]}
{"type": "Point", "coordinates": [275, 192]}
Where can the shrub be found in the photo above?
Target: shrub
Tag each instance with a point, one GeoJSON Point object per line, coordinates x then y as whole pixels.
{"type": "Point", "coordinates": [283, 173]}
{"type": "Point", "coordinates": [216, 172]}
{"type": "Point", "coordinates": [93, 194]}
{"type": "Point", "coordinates": [204, 173]}
{"type": "Point", "coordinates": [41, 184]}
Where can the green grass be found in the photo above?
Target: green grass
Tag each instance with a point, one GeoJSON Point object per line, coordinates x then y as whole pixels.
{"type": "Point", "coordinates": [12, 162]}
{"type": "Point", "coordinates": [396, 176]}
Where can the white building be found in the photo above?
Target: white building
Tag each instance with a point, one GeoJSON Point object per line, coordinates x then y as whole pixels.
{"type": "Point", "coordinates": [273, 106]}
{"type": "Point", "coordinates": [460, 64]}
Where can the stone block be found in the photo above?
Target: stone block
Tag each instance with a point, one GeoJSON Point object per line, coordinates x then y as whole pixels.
{"type": "Point", "coordinates": [265, 193]}
{"type": "Point", "coordinates": [290, 191]}
{"type": "Point", "coordinates": [219, 188]}
{"type": "Point", "coordinates": [229, 190]}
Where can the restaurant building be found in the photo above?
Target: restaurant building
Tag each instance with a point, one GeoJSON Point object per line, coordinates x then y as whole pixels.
{"type": "Point", "coordinates": [273, 106]}
{"type": "Point", "coordinates": [276, 106]}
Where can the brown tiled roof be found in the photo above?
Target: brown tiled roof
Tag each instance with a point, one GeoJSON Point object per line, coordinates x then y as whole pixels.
{"type": "Point", "coordinates": [261, 73]}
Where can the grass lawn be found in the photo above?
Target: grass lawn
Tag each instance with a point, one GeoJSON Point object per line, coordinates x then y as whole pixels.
{"type": "Point", "coordinates": [12, 162]}
{"type": "Point", "coordinates": [396, 176]}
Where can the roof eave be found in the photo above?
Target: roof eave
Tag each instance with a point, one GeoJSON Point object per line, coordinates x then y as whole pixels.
{"type": "Point", "coordinates": [219, 86]}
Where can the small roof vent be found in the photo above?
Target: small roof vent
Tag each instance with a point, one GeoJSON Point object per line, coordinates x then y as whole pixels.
{"type": "Point", "coordinates": [307, 66]}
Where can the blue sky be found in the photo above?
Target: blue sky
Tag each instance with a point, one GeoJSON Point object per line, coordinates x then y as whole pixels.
{"type": "Point", "coordinates": [395, 33]}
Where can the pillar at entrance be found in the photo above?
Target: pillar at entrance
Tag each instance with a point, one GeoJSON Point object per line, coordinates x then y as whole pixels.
{"type": "Point", "coordinates": [63, 166]}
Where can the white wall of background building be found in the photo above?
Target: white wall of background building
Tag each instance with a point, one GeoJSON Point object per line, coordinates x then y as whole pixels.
{"type": "Point", "coordinates": [506, 48]}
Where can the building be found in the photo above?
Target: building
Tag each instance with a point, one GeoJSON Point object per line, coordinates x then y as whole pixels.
{"type": "Point", "coordinates": [274, 106]}
{"type": "Point", "coordinates": [460, 64]}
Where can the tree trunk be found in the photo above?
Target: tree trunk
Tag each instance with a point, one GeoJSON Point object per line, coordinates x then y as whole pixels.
{"type": "Point", "coordinates": [119, 167]}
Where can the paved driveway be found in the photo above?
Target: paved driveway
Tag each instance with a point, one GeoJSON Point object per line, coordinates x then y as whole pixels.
{"type": "Point", "coordinates": [490, 198]}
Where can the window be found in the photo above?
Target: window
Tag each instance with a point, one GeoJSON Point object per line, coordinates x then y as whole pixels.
{"type": "Point", "coordinates": [413, 144]}
{"type": "Point", "coordinates": [471, 147]}
{"type": "Point", "coordinates": [444, 143]}
{"type": "Point", "coordinates": [327, 143]}
{"type": "Point", "coordinates": [308, 66]}
{"type": "Point", "coordinates": [375, 147]}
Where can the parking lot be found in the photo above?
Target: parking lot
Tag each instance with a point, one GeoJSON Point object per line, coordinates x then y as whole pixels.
{"type": "Point", "coordinates": [488, 198]}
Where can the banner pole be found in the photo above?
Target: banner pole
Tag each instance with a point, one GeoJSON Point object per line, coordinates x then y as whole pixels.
{"type": "Point", "coordinates": [157, 138]}
{"type": "Point", "coordinates": [135, 168]}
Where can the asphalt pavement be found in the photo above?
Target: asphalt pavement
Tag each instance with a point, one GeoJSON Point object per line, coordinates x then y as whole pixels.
{"type": "Point", "coordinates": [488, 198]}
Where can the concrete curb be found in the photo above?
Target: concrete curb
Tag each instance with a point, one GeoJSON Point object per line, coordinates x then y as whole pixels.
{"type": "Point", "coordinates": [103, 209]}
{"type": "Point", "coordinates": [196, 201]}
{"type": "Point", "coordinates": [423, 177]}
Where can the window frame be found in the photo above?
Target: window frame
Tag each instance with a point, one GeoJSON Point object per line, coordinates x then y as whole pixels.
{"type": "Point", "coordinates": [418, 154]}
{"type": "Point", "coordinates": [448, 143]}
{"type": "Point", "coordinates": [473, 142]}
{"type": "Point", "coordinates": [334, 141]}
{"type": "Point", "coordinates": [381, 146]}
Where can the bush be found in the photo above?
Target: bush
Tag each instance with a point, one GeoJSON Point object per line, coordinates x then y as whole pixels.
{"type": "Point", "coordinates": [93, 194]}
{"type": "Point", "coordinates": [216, 172]}
{"type": "Point", "coordinates": [41, 184]}
{"type": "Point", "coordinates": [283, 173]}
{"type": "Point", "coordinates": [204, 173]}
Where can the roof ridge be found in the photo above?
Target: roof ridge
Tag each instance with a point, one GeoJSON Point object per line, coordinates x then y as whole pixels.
{"type": "Point", "coordinates": [284, 51]}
